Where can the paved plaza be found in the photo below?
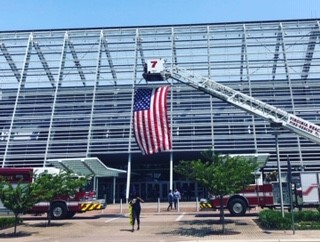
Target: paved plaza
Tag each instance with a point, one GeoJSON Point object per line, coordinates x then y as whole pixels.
{"type": "Point", "coordinates": [157, 224]}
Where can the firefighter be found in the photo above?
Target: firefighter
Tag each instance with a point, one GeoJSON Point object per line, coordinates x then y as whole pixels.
{"type": "Point", "coordinates": [135, 210]}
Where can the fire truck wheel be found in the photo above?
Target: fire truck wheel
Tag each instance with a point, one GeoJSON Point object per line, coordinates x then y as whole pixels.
{"type": "Point", "coordinates": [59, 211]}
{"type": "Point", "coordinates": [237, 207]}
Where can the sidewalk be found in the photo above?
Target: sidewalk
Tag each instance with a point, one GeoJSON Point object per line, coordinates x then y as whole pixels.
{"type": "Point", "coordinates": [204, 225]}
{"type": "Point", "coordinates": [157, 225]}
{"type": "Point", "coordinates": [154, 207]}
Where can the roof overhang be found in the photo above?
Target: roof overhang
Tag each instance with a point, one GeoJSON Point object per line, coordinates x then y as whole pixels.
{"type": "Point", "coordinates": [261, 158]}
{"type": "Point", "coordinates": [86, 167]}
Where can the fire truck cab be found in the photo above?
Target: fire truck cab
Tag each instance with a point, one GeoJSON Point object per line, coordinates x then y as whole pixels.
{"type": "Point", "coordinates": [255, 194]}
{"type": "Point", "coordinates": [63, 206]}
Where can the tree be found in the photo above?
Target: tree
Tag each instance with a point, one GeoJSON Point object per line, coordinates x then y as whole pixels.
{"type": "Point", "coordinates": [18, 198]}
{"type": "Point", "coordinates": [221, 175]}
{"type": "Point", "coordinates": [57, 185]}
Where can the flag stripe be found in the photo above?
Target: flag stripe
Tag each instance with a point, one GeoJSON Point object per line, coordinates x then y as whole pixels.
{"type": "Point", "coordinates": [161, 120]}
{"type": "Point", "coordinates": [158, 109]}
{"type": "Point", "coordinates": [152, 130]}
{"type": "Point", "coordinates": [151, 126]}
{"type": "Point", "coordinates": [165, 123]}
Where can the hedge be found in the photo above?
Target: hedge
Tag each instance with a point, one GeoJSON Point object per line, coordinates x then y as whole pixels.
{"type": "Point", "coordinates": [271, 219]}
{"type": "Point", "coordinates": [6, 222]}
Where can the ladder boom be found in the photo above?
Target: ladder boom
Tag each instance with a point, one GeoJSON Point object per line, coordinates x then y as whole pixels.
{"type": "Point", "coordinates": [245, 102]}
{"type": "Point", "coordinates": [225, 93]}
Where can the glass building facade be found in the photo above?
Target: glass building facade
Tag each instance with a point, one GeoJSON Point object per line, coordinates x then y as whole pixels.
{"type": "Point", "coordinates": [69, 93]}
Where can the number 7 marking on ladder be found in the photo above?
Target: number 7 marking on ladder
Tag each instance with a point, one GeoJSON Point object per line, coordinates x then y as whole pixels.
{"type": "Point", "coordinates": [153, 63]}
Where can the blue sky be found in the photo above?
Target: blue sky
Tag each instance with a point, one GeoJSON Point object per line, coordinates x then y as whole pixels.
{"type": "Point", "coordinates": [47, 14]}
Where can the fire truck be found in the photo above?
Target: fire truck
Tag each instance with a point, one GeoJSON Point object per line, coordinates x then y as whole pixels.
{"type": "Point", "coordinates": [259, 194]}
{"type": "Point", "coordinates": [305, 192]}
{"type": "Point", "coordinates": [63, 206]}
{"type": "Point", "coordinates": [307, 189]}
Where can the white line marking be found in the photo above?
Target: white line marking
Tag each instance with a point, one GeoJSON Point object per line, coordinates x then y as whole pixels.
{"type": "Point", "coordinates": [180, 217]}
{"type": "Point", "coordinates": [111, 219]}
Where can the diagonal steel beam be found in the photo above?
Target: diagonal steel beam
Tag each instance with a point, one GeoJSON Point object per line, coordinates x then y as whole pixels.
{"type": "Point", "coordinates": [10, 61]}
{"type": "Point", "coordinates": [106, 49]}
{"type": "Point", "coordinates": [310, 51]}
{"type": "Point", "coordinates": [139, 42]}
{"type": "Point", "coordinates": [44, 63]}
{"type": "Point", "coordinates": [174, 49]}
{"type": "Point", "coordinates": [77, 62]}
{"type": "Point", "coordinates": [276, 55]}
{"type": "Point", "coordinates": [242, 56]}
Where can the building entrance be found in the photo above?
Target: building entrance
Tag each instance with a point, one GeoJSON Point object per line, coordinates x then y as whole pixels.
{"type": "Point", "coordinates": [152, 191]}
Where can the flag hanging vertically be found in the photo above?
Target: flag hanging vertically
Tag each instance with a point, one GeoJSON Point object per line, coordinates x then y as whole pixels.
{"type": "Point", "coordinates": [151, 127]}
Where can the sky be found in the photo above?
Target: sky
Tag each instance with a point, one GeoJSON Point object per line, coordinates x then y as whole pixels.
{"type": "Point", "coordinates": [64, 14]}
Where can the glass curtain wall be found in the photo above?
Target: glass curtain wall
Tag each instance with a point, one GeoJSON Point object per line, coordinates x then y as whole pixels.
{"type": "Point", "coordinates": [69, 93]}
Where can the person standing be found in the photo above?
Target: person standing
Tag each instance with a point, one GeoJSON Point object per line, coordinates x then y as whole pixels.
{"type": "Point", "coordinates": [135, 210]}
{"type": "Point", "coordinates": [176, 198]}
{"type": "Point", "coordinates": [170, 199]}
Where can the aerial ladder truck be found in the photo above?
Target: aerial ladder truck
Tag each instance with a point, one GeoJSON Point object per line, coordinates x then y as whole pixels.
{"type": "Point", "coordinates": [262, 195]}
{"type": "Point", "coordinates": [155, 70]}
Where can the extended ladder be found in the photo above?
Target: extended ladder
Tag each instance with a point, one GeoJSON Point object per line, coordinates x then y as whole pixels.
{"type": "Point", "coordinates": [247, 103]}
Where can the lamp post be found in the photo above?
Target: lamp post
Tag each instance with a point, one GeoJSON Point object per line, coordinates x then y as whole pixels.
{"type": "Point", "coordinates": [276, 127]}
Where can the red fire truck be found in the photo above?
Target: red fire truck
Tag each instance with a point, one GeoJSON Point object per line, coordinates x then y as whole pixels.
{"type": "Point", "coordinates": [256, 194]}
{"type": "Point", "coordinates": [305, 193]}
{"type": "Point", "coordinates": [63, 206]}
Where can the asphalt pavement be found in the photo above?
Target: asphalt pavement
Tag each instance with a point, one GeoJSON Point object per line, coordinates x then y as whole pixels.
{"type": "Point", "coordinates": [185, 224]}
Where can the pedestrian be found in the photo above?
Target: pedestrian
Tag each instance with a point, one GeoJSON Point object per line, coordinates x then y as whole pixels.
{"type": "Point", "coordinates": [170, 199]}
{"type": "Point", "coordinates": [176, 198]}
{"type": "Point", "coordinates": [135, 210]}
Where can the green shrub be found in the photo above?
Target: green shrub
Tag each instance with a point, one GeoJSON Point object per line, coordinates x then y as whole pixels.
{"type": "Point", "coordinates": [307, 215]}
{"type": "Point", "coordinates": [6, 222]}
{"type": "Point", "coordinates": [308, 225]}
{"type": "Point", "coordinates": [271, 219]}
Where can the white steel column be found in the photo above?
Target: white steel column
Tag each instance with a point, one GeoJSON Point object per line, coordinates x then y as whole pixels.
{"type": "Point", "coordinates": [209, 76]}
{"type": "Point", "coordinates": [22, 80]}
{"type": "Point", "coordinates": [284, 53]}
{"type": "Point", "coordinates": [58, 83]}
{"type": "Point", "coordinates": [94, 93]}
{"type": "Point", "coordinates": [249, 82]}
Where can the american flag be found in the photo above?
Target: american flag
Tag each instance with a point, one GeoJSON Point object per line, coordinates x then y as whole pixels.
{"type": "Point", "coordinates": [151, 128]}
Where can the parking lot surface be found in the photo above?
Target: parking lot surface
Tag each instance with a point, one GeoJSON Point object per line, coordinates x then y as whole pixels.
{"type": "Point", "coordinates": [157, 224]}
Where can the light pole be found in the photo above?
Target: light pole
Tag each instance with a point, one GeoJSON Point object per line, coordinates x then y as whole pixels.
{"type": "Point", "coordinates": [276, 127]}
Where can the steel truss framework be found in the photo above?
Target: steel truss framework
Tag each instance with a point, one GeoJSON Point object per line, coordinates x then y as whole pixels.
{"type": "Point", "coordinates": [69, 93]}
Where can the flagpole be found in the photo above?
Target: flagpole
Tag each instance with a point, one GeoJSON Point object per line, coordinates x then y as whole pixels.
{"type": "Point", "coordinates": [128, 177]}
{"type": "Point", "coordinates": [171, 121]}
{"type": "Point", "coordinates": [171, 171]}
{"type": "Point", "coordinates": [131, 118]}
{"type": "Point", "coordinates": [171, 152]}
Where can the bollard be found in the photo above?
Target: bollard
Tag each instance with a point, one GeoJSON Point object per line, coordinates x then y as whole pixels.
{"type": "Point", "coordinates": [197, 204]}
{"type": "Point", "coordinates": [178, 205]}
{"type": "Point", "coordinates": [121, 205]}
{"type": "Point", "coordinates": [158, 205]}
